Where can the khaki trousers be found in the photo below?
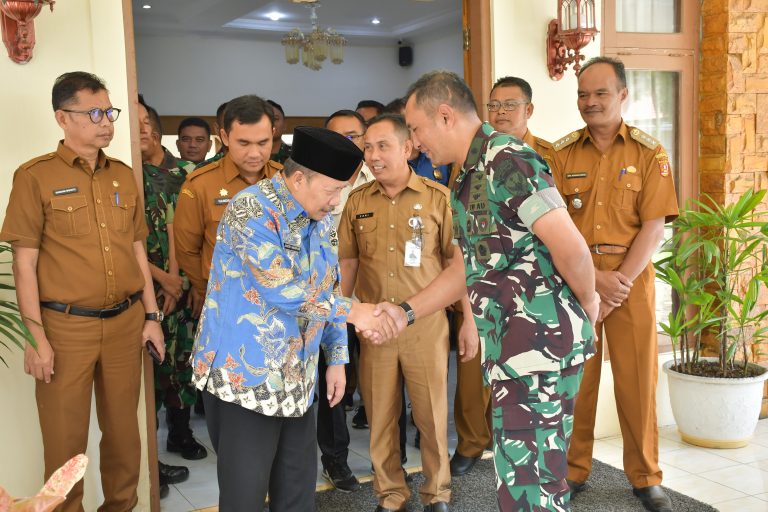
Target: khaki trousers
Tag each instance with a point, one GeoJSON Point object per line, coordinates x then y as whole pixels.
{"type": "Point", "coordinates": [630, 332]}
{"type": "Point", "coordinates": [420, 354]}
{"type": "Point", "coordinates": [472, 403]}
{"type": "Point", "coordinates": [105, 355]}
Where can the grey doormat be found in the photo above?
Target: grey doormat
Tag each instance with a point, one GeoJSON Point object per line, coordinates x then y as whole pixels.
{"type": "Point", "coordinates": [608, 491]}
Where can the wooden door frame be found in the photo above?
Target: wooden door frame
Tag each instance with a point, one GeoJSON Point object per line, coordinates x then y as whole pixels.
{"type": "Point", "coordinates": [477, 36]}
{"type": "Point", "coordinates": [147, 366]}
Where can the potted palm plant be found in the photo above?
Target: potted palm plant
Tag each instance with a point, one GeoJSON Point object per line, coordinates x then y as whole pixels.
{"type": "Point", "coordinates": [716, 265]}
{"type": "Point", "coordinates": [12, 329]}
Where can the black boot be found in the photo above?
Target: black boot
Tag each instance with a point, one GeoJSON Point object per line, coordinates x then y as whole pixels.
{"type": "Point", "coordinates": [180, 439]}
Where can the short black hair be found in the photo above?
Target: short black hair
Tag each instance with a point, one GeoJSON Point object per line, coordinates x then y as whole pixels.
{"type": "Point", "coordinates": [345, 113]}
{"type": "Point", "coordinates": [66, 87]}
{"type": "Point", "coordinates": [277, 106]}
{"type": "Point", "coordinates": [371, 104]}
{"type": "Point", "coordinates": [440, 86]}
{"type": "Point", "coordinates": [220, 112]}
{"type": "Point", "coordinates": [248, 109]}
{"type": "Point", "coordinates": [396, 106]}
{"type": "Point", "coordinates": [194, 121]}
{"type": "Point", "coordinates": [515, 81]}
{"type": "Point", "coordinates": [616, 64]}
{"type": "Point", "coordinates": [398, 123]}
{"type": "Point", "coordinates": [154, 117]}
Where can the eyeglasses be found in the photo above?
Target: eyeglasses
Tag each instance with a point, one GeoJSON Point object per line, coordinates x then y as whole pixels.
{"type": "Point", "coordinates": [354, 136]}
{"type": "Point", "coordinates": [97, 114]}
{"type": "Point", "coordinates": [509, 106]}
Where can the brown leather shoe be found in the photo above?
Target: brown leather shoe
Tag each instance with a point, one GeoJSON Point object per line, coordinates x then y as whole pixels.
{"type": "Point", "coordinates": [654, 498]}
{"type": "Point", "coordinates": [379, 508]}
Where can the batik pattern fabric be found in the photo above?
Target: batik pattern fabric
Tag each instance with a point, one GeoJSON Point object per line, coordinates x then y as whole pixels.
{"type": "Point", "coordinates": [173, 377]}
{"type": "Point", "coordinates": [273, 300]}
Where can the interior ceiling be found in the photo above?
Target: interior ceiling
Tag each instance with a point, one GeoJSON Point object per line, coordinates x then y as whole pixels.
{"type": "Point", "coordinates": [400, 19]}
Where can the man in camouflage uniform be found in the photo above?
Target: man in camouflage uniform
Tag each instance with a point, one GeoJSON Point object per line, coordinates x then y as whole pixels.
{"type": "Point", "coordinates": [528, 274]}
{"type": "Point", "coordinates": [163, 177]}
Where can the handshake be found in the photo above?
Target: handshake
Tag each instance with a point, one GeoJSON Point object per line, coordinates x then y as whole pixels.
{"type": "Point", "coordinates": [378, 322]}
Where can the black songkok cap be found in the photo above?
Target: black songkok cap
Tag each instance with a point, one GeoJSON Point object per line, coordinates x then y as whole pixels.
{"type": "Point", "coordinates": [324, 151]}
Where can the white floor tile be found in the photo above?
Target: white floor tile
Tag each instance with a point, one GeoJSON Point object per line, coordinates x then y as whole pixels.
{"type": "Point", "coordinates": [671, 471]}
{"type": "Point", "coordinates": [202, 495]}
{"type": "Point", "coordinates": [743, 478]}
{"type": "Point", "coordinates": [763, 496]}
{"type": "Point", "coordinates": [669, 445]}
{"type": "Point", "coordinates": [607, 452]}
{"type": "Point", "coordinates": [175, 502]}
{"type": "Point", "coordinates": [748, 504]}
{"type": "Point", "coordinates": [695, 460]}
{"type": "Point", "coordinates": [761, 439]}
{"type": "Point", "coordinates": [745, 455]}
{"type": "Point", "coordinates": [702, 489]}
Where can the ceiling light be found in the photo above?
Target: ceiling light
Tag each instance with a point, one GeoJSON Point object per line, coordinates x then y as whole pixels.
{"type": "Point", "coordinates": [375, 21]}
{"type": "Point", "coordinates": [146, 6]}
{"type": "Point", "coordinates": [275, 16]}
{"type": "Point", "coordinates": [316, 46]}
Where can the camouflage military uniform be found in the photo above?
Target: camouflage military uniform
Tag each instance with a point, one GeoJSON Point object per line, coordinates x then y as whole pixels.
{"type": "Point", "coordinates": [215, 158]}
{"type": "Point", "coordinates": [534, 334]}
{"type": "Point", "coordinates": [282, 153]}
{"type": "Point", "coordinates": [161, 190]}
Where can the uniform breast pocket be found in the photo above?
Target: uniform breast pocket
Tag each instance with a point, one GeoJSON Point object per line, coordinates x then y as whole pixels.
{"type": "Point", "coordinates": [430, 235]}
{"type": "Point", "coordinates": [365, 232]}
{"type": "Point", "coordinates": [217, 212]}
{"type": "Point", "coordinates": [576, 190]}
{"type": "Point", "coordinates": [626, 190]}
{"type": "Point", "coordinates": [123, 207]}
{"type": "Point", "coordinates": [70, 215]}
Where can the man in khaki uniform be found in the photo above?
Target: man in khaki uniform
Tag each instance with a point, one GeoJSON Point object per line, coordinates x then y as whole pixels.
{"type": "Point", "coordinates": [247, 133]}
{"type": "Point", "coordinates": [76, 223]}
{"type": "Point", "coordinates": [619, 189]}
{"type": "Point", "coordinates": [395, 236]}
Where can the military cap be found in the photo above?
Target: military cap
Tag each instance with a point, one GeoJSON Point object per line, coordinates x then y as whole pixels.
{"type": "Point", "coordinates": [324, 151]}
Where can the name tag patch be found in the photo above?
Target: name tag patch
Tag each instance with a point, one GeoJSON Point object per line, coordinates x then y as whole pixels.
{"type": "Point", "coordinates": [65, 191]}
{"type": "Point", "coordinates": [572, 175]}
{"type": "Point", "coordinates": [364, 215]}
{"type": "Point", "coordinates": [221, 200]}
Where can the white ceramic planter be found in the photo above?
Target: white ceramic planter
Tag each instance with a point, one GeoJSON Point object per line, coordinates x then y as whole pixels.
{"type": "Point", "coordinates": [715, 413]}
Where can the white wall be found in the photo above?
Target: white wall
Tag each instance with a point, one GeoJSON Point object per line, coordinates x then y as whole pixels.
{"type": "Point", "coordinates": [192, 74]}
{"type": "Point", "coordinates": [79, 35]}
{"type": "Point", "coordinates": [520, 49]}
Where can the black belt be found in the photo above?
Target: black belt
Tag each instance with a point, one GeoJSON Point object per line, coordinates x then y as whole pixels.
{"type": "Point", "coordinates": [98, 313]}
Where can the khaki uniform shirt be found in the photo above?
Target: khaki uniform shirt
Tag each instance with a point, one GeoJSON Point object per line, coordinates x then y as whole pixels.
{"type": "Point", "coordinates": [374, 229]}
{"type": "Point", "coordinates": [540, 146]}
{"type": "Point", "coordinates": [83, 222]}
{"type": "Point", "coordinates": [616, 191]}
{"type": "Point", "coordinates": [363, 177]}
{"type": "Point", "coordinates": [203, 198]}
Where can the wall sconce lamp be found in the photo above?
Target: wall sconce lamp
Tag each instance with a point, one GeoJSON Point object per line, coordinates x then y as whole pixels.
{"type": "Point", "coordinates": [573, 29]}
{"type": "Point", "coordinates": [18, 26]}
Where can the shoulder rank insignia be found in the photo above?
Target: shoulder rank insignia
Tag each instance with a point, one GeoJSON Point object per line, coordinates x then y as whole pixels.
{"type": "Point", "coordinates": [188, 192]}
{"type": "Point", "coordinates": [566, 141]}
{"type": "Point", "coordinates": [643, 138]}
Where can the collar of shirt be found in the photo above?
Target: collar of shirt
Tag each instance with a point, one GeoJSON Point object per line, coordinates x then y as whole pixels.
{"type": "Point", "coordinates": [363, 177]}
{"type": "Point", "coordinates": [292, 207]}
{"type": "Point", "coordinates": [70, 157]}
{"type": "Point", "coordinates": [414, 183]}
{"type": "Point", "coordinates": [528, 138]}
{"type": "Point", "coordinates": [623, 133]}
{"type": "Point", "coordinates": [229, 168]}
{"type": "Point", "coordinates": [476, 148]}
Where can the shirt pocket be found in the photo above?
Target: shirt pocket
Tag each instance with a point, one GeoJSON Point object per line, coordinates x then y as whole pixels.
{"type": "Point", "coordinates": [626, 190]}
{"type": "Point", "coordinates": [365, 232]}
{"type": "Point", "coordinates": [217, 212]}
{"type": "Point", "coordinates": [70, 215]}
{"type": "Point", "coordinates": [577, 187]}
{"type": "Point", "coordinates": [123, 207]}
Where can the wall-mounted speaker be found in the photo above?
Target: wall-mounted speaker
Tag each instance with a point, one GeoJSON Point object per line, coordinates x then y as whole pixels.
{"type": "Point", "coordinates": [405, 55]}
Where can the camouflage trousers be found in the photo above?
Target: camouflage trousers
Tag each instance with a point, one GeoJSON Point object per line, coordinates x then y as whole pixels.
{"type": "Point", "coordinates": [173, 378]}
{"type": "Point", "coordinates": [532, 424]}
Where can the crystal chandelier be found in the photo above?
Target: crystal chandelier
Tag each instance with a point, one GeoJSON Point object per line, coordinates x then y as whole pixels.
{"type": "Point", "coordinates": [317, 46]}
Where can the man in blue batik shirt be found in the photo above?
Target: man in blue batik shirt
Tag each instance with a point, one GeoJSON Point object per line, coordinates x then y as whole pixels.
{"type": "Point", "coordinates": [272, 302]}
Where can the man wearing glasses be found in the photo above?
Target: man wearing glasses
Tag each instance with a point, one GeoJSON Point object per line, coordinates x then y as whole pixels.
{"type": "Point", "coordinates": [84, 289]}
{"type": "Point", "coordinates": [510, 108]}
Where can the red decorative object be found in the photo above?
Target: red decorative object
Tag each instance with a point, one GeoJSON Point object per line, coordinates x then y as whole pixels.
{"type": "Point", "coordinates": [18, 26]}
{"type": "Point", "coordinates": [573, 29]}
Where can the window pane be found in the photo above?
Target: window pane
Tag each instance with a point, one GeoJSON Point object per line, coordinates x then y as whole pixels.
{"type": "Point", "coordinates": [657, 16]}
{"type": "Point", "coordinates": [653, 106]}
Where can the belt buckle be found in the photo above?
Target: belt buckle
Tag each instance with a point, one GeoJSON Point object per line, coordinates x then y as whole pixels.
{"type": "Point", "coordinates": [597, 249]}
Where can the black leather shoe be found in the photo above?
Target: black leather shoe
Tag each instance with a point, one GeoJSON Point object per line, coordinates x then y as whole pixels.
{"type": "Point", "coordinates": [188, 448]}
{"type": "Point", "coordinates": [654, 498]}
{"type": "Point", "coordinates": [164, 491]}
{"type": "Point", "coordinates": [576, 487]}
{"type": "Point", "coordinates": [440, 506]}
{"type": "Point", "coordinates": [379, 508]}
{"type": "Point", "coordinates": [341, 477]}
{"type": "Point", "coordinates": [173, 474]}
{"type": "Point", "coordinates": [360, 420]}
{"type": "Point", "coordinates": [461, 465]}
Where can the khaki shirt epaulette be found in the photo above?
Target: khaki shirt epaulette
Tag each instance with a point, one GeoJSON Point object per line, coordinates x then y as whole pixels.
{"type": "Point", "coordinates": [432, 183]}
{"type": "Point", "coordinates": [41, 158]}
{"type": "Point", "coordinates": [543, 143]}
{"type": "Point", "coordinates": [360, 189]}
{"type": "Point", "coordinates": [567, 140]}
{"type": "Point", "coordinates": [643, 138]}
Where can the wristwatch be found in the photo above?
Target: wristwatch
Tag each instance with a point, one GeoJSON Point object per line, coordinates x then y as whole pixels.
{"type": "Point", "coordinates": [409, 314]}
{"type": "Point", "coordinates": [157, 316]}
